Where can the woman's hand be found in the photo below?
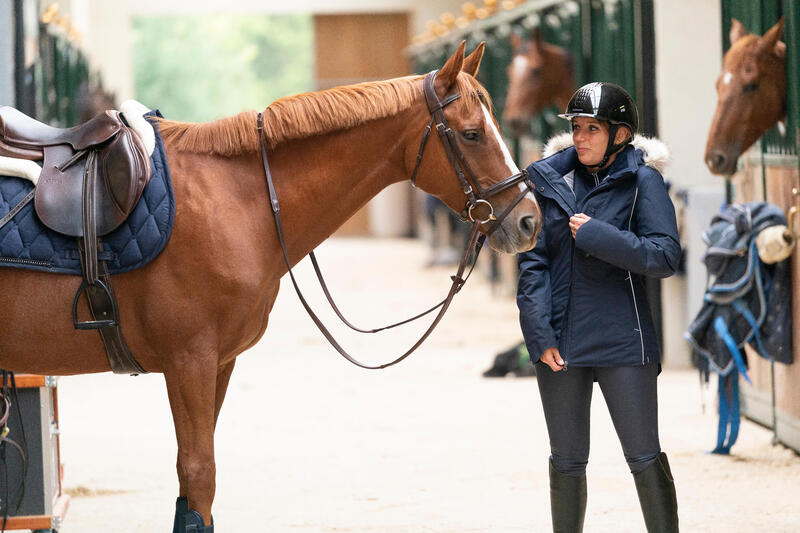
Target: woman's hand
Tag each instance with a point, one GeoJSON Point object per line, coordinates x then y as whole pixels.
{"type": "Point", "coordinates": [552, 358]}
{"type": "Point", "coordinates": [576, 221]}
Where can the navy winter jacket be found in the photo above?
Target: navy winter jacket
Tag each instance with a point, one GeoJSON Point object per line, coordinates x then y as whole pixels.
{"type": "Point", "coordinates": [586, 295]}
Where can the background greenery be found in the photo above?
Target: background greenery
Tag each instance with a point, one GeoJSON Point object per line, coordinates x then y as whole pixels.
{"type": "Point", "coordinates": [200, 68]}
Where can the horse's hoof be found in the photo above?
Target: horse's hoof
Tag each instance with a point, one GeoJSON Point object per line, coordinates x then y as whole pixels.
{"type": "Point", "coordinates": [195, 524]}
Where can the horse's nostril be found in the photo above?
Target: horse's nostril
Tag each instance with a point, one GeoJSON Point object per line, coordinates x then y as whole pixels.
{"type": "Point", "coordinates": [716, 161]}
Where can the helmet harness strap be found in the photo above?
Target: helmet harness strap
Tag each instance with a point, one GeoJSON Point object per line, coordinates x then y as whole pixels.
{"type": "Point", "coordinates": [611, 148]}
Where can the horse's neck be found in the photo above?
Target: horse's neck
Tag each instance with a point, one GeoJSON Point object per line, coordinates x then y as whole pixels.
{"type": "Point", "coordinates": [322, 181]}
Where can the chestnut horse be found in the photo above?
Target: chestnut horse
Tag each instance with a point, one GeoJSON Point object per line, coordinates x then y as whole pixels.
{"type": "Point", "coordinates": [93, 99]}
{"type": "Point", "coordinates": [752, 95]}
{"type": "Point", "coordinates": [539, 75]}
{"type": "Point", "coordinates": [207, 297]}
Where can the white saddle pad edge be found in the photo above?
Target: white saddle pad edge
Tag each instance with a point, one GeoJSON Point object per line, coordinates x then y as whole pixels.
{"type": "Point", "coordinates": [133, 112]}
{"type": "Point", "coordinates": [20, 168]}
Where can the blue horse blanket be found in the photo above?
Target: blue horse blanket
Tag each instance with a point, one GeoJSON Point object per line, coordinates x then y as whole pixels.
{"type": "Point", "coordinates": [26, 243]}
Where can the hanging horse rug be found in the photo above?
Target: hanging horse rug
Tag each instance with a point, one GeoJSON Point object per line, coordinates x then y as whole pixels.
{"type": "Point", "coordinates": [748, 300]}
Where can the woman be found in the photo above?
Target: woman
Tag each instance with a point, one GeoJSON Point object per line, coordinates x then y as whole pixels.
{"type": "Point", "coordinates": [608, 223]}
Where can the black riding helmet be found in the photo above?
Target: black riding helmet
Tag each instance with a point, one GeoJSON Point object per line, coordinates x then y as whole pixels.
{"type": "Point", "coordinates": [605, 101]}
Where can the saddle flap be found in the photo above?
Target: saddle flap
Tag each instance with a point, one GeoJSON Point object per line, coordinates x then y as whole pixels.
{"type": "Point", "coordinates": [125, 169]}
{"type": "Point", "coordinates": [119, 177]}
{"type": "Point", "coordinates": [59, 194]}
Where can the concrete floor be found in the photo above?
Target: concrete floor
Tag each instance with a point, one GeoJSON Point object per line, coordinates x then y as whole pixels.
{"type": "Point", "coordinates": [308, 443]}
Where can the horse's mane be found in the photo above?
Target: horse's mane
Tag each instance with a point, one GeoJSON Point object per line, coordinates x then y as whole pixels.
{"type": "Point", "coordinates": [308, 114]}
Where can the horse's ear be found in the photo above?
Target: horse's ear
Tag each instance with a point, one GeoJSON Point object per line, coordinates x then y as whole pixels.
{"type": "Point", "coordinates": [473, 61]}
{"type": "Point", "coordinates": [771, 43]}
{"type": "Point", "coordinates": [737, 31]}
{"type": "Point", "coordinates": [447, 75]}
{"type": "Point", "coordinates": [516, 41]}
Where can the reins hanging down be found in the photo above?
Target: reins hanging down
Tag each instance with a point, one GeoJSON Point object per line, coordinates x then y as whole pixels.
{"type": "Point", "coordinates": [476, 196]}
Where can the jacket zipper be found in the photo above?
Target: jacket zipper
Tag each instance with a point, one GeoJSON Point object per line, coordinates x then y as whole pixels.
{"type": "Point", "coordinates": [569, 304]}
{"type": "Point", "coordinates": [572, 276]}
{"type": "Point", "coordinates": [630, 280]}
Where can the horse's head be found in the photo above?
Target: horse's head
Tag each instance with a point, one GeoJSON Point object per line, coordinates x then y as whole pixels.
{"type": "Point", "coordinates": [467, 164]}
{"type": "Point", "coordinates": [539, 75]}
{"type": "Point", "coordinates": [752, 95]}
{"type": "Point", "coordinates": [93, 99]}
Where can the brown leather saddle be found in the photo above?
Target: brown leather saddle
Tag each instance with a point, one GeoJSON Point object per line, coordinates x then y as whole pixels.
{"type": "Point", "coordinates": [93, 175]}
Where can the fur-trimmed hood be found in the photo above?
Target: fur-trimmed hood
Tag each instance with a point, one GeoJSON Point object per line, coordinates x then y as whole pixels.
{"type": "Point", "coordinates": [654, 152]}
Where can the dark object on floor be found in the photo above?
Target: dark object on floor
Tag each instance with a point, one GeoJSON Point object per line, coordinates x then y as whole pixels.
{"type": "Point", "coordinates": [514, 360]}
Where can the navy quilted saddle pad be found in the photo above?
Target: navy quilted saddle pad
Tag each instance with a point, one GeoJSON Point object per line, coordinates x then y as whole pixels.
{"type": "Point", "coordinates": [26, 243]}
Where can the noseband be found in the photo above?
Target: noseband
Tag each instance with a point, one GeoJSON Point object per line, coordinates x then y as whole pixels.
{"type": "Point", "coordinates": [477, 197]}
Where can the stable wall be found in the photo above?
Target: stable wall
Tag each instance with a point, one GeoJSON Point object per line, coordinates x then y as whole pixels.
{"type": "Point", "coordinates": [688, 61]}
{"type": "Point", "coordinates": [779, 178]}
{"type": "Point", "coordinates": [353, 48]}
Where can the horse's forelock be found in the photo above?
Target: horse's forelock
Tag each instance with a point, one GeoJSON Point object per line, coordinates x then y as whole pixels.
{"type": "Point", "coordinates": [472, 93]}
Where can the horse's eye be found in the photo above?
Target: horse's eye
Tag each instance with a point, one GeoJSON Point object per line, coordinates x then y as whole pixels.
{"type": "Point", "coordinates": [750, 87]}
{"type": "Point", "coordinates": [471, 135]}
{"type": "Point", "coordinates": [536, 72]}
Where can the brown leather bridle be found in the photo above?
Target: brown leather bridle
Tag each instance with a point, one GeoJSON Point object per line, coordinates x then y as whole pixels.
{"type": "Point", "coordinates": [477, 196]}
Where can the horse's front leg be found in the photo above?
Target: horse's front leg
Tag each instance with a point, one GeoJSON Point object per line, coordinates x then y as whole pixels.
{"type": "Point", "coordinates": [194, 412]}
{"type": "Point", "coordinates": [223, 377]}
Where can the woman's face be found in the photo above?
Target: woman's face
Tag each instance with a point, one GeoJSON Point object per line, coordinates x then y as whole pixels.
{"type": "Point", "coordinates": [590, 137]}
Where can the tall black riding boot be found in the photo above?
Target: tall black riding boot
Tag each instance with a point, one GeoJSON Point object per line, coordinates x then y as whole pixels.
{"type": "Point", "coordinates": [567, 501]}
{"type": "Point", "coordinates": [656, 489]}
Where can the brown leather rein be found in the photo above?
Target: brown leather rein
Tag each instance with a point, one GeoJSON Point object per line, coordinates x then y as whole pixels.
{"type": "Point", "coordinates": [476, 197]}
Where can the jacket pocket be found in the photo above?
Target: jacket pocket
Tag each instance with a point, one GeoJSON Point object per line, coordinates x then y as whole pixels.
{"type": "Point", "coordinates": [591, 268]}
{"type": "Point", "coordinates": [604, 325]}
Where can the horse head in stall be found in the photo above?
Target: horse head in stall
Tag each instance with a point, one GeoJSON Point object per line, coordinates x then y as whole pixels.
{"type": "Point", "coordinates": [207, 296]}
{"type": "Point", "coordinates": [93, 99]}
{"type": "Point", "coordinates": [751, 93]}
{"type": "Point", "coordinates": [539, 75]}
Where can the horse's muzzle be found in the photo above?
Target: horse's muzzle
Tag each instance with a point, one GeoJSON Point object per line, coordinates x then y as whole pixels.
{"type": "Point", "coordinates": [722, 162]}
